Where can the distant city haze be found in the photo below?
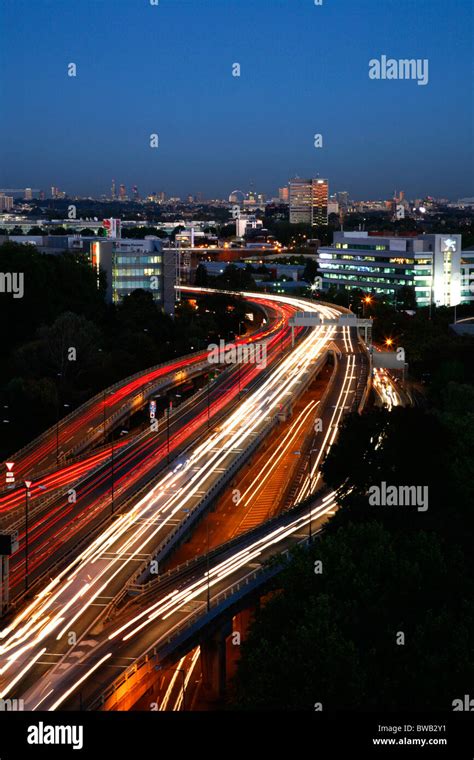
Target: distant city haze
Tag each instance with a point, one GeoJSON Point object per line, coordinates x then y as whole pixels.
{"type": "Point", "coordinates": [167, 69]}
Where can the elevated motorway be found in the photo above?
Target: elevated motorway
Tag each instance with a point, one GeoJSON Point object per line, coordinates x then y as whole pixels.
{"type": "Point", "coordinates": [59, 526]}
{"type": "Point", "coordinates": [97, 417]}
{"type": "Point", "coordinates": [74, 600]}
{"type": "Point", "coordinates": [170, 614]}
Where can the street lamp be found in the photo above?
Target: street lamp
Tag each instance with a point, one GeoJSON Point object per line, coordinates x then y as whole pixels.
{"type": "Point", "coordinates": [311, 491]}
{"type": "Point", "coordinates": [208, 399]}
{"type": "Point", "coordinates": [365, 301]}
{"type": "Point", "coordinates": [112, 474]}
{"type": "Point", "coordinates": [168, 408]}
{"type": "Point", "coordinates": [183, 675]}
{"type": "Point", "coordinates": [208, 598]}
{"type": "Point", "coordinates": [65, 406]}
{"type": "Point", "coordinates": [27, 495]}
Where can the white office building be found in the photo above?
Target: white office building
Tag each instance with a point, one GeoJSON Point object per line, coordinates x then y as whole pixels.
{"type": "Point", "coordinates": [433, 265]}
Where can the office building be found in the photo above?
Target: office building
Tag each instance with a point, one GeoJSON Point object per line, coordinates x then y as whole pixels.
{"type": "Point", "coordinates": [129, 264]}
{"type": "Point", "coordinates": [433, 265]}
{"type": "Point", "coordinates": [143, 264]}
{"type": "Point", "coordinates": [308, 201]}
{"type": "Point", "coordinates": [6, 202]}
{"type": "Point", "coordinates": [342, 198]}
{"type": "Point", "coordinates": [243, 224]}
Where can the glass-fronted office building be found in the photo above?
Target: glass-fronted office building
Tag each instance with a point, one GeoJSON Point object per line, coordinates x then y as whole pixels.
{"type": "Point", "coordinates": [433, 265]}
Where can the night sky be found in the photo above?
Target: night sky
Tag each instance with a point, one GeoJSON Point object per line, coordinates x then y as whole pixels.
{"type": "Point", "coordinates": [167, 69]}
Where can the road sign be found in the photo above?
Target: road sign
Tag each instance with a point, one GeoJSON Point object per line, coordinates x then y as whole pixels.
{"type": "Point", "coordinates": [8, 543]}
{"type": "Point", "coordinates": [9, 476]}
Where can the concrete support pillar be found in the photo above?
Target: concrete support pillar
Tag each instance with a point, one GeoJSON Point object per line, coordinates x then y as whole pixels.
{"type": "Point", "coordinates": [213, 664]}
{"type": "Point", "coordinates": [240, 626]}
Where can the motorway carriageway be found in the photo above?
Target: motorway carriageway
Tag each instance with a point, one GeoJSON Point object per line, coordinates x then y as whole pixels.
{"type": "Point", "coordinates": [73, 600]}
{"type": "Point", "coordinates": [147, 621]}
{"type": "Point", "coordinates": [83, 422]}
{"type": "Point", "coordinates": [261, 489]}
{"type": "Point", "coordinates": [175, 600]}
{"type": "Point", "coordinates": [63, 524]}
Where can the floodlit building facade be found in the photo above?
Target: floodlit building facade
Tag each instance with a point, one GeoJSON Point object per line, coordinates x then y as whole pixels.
{"type": "Point", "coordinates": [434, 265]}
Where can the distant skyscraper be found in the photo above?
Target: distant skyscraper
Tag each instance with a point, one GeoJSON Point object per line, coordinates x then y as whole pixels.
{"type": "Point", "coordinates": [283, 194]}
{"type": "Point", "coordinates": [28, 194]}
{"type": "Point", "coordinates": [6, 202]}
{"type": "Point", "coordinates": [320, 201]}
{"type": "Point", "coordinates": [308, 201]}
{"type": "Point", "coordinates": [343, 199]}
{"type": "Point", "coordinates": [54, 191]}
{"type": "Point", "coordinates": [112, 190]}
{"type": "Point", "coordinates": [300, 194]}
{"type": "Point", "coordinates": [122, 192]}
{"type": "Point", "coordinates": [135, 193]}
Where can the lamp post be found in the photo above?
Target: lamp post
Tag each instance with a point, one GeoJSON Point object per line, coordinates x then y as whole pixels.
{"type": "Point", "coordinates": [113, 474]}
{"type": "Point", "coordinates": [365, 301]}
{"type": "Point", "coordinates": [27, 495]}
{"type": "Point", "coordinates": [168, 429]}
{"type": "Point", "coordinates": [208, 401]}
{"type": "Point", "coordinates": [183, 675]}
{"type": "Point", "coordinates": [104, 415]}
{"type": "Point", "coordinates": [311, 491]}
{"type": "Point", "coordinates": [65, 406]}
{"type": "Point", "coordinates": [208, 597]}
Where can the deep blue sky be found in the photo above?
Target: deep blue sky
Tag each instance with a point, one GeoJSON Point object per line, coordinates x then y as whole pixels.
{"type": "Point", "coordinates": [167, 69]}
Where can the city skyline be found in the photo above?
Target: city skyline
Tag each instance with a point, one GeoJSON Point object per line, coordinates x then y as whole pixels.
{"type": "Point", "coordinates": [217, 131]}
{"type": "Point", "coordinates": [144, 193]}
